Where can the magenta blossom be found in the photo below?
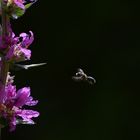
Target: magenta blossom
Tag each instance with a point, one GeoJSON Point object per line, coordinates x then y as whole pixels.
{"type": "Point", "coordinates": [14, 49]}
{"type": "Point", "coordinates": [12, 107]}
{"type": "Point", "coordinates": [18, 51]}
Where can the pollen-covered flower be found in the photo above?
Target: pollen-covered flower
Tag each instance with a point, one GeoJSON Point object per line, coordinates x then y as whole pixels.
{"type": "Point", "coordinates": [12, 108]}
{"type": "Point", "coordinates": [18, 51]}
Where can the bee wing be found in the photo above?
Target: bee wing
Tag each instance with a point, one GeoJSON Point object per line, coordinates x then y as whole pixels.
{"type": "Point", "coordinates": [26, 67]}
{"type": "Point", "coordinates": [77, 79]}
{"type": "Point", "coordinates": [91, 80]}
{"type": "Point", "coordinates": [80, 70]}
{"type": "Point", "coordinates": [34, 65]}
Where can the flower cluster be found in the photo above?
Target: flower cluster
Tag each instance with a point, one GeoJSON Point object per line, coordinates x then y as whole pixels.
{"type": "Point", "coordinates": [12, 106]}
{"type": "Point", "coordinates": [14, 49]}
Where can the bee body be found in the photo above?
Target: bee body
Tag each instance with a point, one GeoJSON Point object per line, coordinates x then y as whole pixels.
{"type": "Point", "coordinates": [81, 76]}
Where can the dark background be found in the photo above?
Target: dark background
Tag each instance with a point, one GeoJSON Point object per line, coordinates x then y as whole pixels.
{"type": "Point", "coordinates": [102, 38]}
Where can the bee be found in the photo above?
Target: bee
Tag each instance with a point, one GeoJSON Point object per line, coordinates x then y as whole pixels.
{"type": "Point", "coordinates": [81, 76]}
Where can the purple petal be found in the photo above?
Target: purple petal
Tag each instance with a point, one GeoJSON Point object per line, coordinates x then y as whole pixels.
{"type": "Point", "coordinates": [23, 35]}
{"type": "Point", "coordinates": [22, 96]}
{"type": "Point", "coordinates": [31, 102]}
{"type": "Point", "coordinates": [27, 115]}
{"type": "Point", "coordinates": [27, 39]}
{"type": "Point", "coordinates": [11, 91]}
{"type": "Point", "coordinates": [26, 53]}
{"type": "Point", "coordinates": [19, 4]}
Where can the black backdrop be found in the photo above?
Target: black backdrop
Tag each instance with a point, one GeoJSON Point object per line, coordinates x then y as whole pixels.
{"type": "Point", "coordinates": [103, 38]}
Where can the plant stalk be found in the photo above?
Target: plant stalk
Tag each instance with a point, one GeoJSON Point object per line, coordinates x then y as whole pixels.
{"type": "Point", "coordinates": [4, 64]}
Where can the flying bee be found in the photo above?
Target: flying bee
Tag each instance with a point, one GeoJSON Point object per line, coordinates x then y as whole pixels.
{"type": "Point", "coordinates": [81, 76]}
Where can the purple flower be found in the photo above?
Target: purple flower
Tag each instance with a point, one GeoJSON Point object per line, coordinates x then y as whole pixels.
{"type": "Point", "coordinates": [12, 106]}
{"type": "Point", "coordinates": [23, 98]}
{"type": "Point", "coordinates": [18, 50]}
{"type": "Point", "coordinates": [26, 39]}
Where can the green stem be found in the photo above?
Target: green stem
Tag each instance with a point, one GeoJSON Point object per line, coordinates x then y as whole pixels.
{"type": "Point", "coordinates": [4, 71]}
{"type": "Point", "coordinates": [5, 65]}
{"type": "Point", "coordinates": [5, 23]}
{"type": "Point", "coordinates": [5, 20]}
{"type": "Point", "coordinates": [5, 32]}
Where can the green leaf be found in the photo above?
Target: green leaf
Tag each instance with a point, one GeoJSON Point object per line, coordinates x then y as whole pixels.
{"type": "Point", "coordinates": [18, 13]}
{"type": "Point", "coordinates": [28, 5]}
